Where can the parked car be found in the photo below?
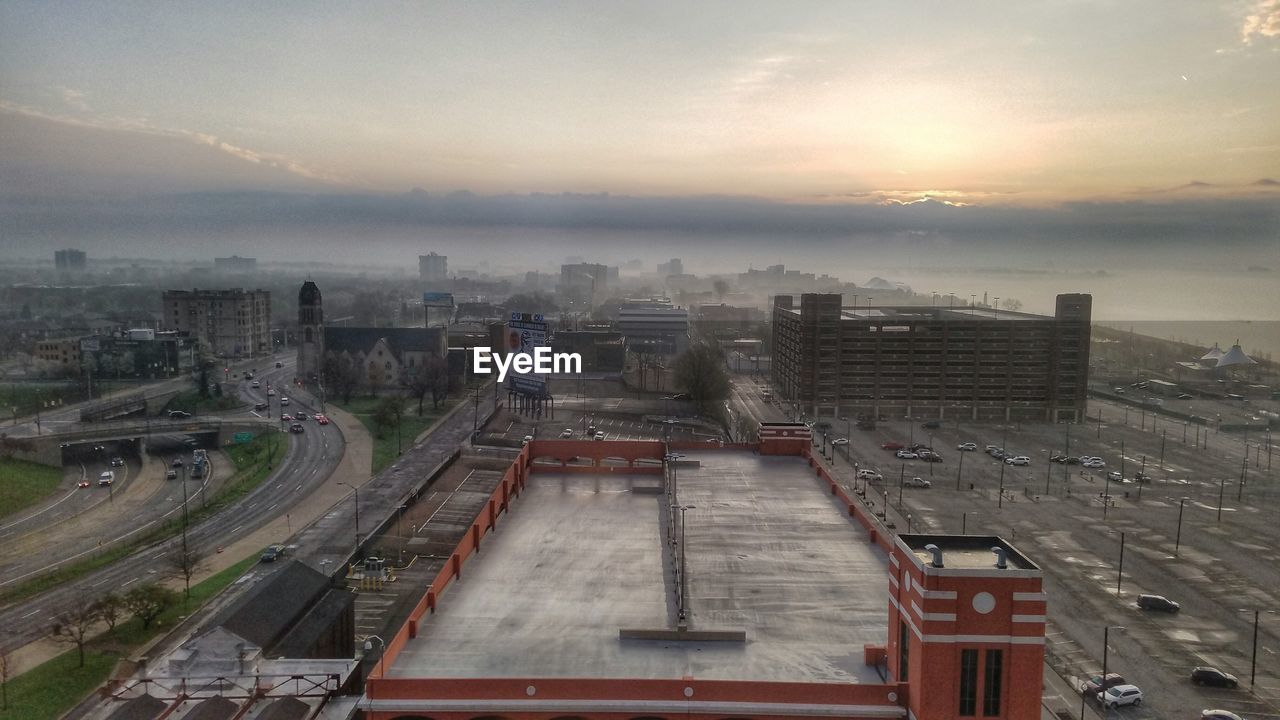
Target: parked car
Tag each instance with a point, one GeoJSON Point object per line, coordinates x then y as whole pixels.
{"type": "Point", "coordinates": [1121, 695]}
{"type": "Point", "coordinates": [566, 433]}
{"type": "Point", "coordinates": [931, 457]}
{"type": "Point", "coordinates": [1213, 677]}
{"type": "Point", "coordinates": [271, 553]}
{"type": "Point", "coordinates": [1184, 396]}
{"type": "Point", "coordinates": [321, 419]}
{"type": "Point", "coordinates": [967, 447]}
{"type": "Point", "coordinates": [1219, 715]}
{"type": "Point", "coordinates": [1142, 477]}
{"type": "Point", "coordinates": [840, 441]}
{"type": "Point", "coordinates": [1020, 460]}
{"type": "Point", "coordinates": [1096, 685]}
{"type": "Point", "coordinates": [891, 445]}
{"type": "Point", "coordinates": [869, 475]}
{"type": "Point", "coordinates": [1057, 457]}
{"type": "Point", "coordinates": [1071, 460]}
{"type": "Point", "coordinates": [1158, 602]}
{"type": "Point", "coordinates": [526, 440]}
{"type": "Point", "coordinates": [179, 414]}
{"type": "Point", "coordinates": [297, 428]}
{"type": "Point", "coordinates": [599, 435]}
{"type": "Point", "coordinates": [931, 424]}
{"type": "Point", "coordinates": [906, 455]}
{"type": "Point", "coordinates": [1114, 476]}
{"type": "Point", "coordinates": [917, 482]}
{"type": "Point", "coordinates": [990, 448]}
{"type": "Point", "coordinates": [1093, 464]}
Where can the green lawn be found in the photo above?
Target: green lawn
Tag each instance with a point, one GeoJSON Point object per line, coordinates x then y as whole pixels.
{"type": "Point", "coordinates": [386, 448]}
{"type": "Point", "coordinates": [49, 690]}
{"type": "Point", "coordinates": [190, 401]}
{"type": "Point", "coordinates": [23, 484]}
{"type": "Point", "coordinates": [254, 461]}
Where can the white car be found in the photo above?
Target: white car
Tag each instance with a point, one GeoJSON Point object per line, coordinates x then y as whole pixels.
{"type": "Point", "coordinates": [916, 482]}
{"type": "Point", "coordinates": [869, 475]}
{"type": "Point", "coordinates": [1094, 464]}
{"type": "Point", "coordinates": [906, 455]}
{"type": "Point", "coordinates": [1021, 460]}
{"type": "Point", "coordinates": [600, 435]}
{"type": "Point", "coordinates": [840, 441]}
{"type": "Point", "coordinates": [106, 478]}
{"type": "Point", "coordinates": [1114, 476]}
{"type": "Point", "coordinates": [526, 440]}
{"type": "Point", "coordinates": [255, 384]}
{"type": "Point", "coordinates": [1121, 695]}
{"type": "Point", "coordinates": [967, 447]}
{"type": "Point", "coordinates": [567, 432]}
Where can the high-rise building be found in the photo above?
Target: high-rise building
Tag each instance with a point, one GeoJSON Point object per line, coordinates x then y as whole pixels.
{"type": "Point", "coordinates": [934, 362]}
{"type": "Point", "coordinates": [583, 285]}
{"type": "Point", "coordinates": [227, 323]}
{"type": "Point", "coordinates": [674, 266]}
{"type": "Point", "coordinates": [433, 268]}
{"type": "Point", "coordinates": [69, 260]}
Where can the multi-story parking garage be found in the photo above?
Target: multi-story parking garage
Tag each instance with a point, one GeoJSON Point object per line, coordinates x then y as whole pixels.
{"type": "Point", "coordinates": [932, 362]}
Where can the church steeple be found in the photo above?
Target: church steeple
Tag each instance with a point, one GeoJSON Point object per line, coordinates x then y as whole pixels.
{"type": "Point", "coordinates": [310, 332]}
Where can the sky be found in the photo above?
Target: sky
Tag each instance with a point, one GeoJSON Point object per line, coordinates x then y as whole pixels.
{"type": "Point", "coordinates": [1026, 102]}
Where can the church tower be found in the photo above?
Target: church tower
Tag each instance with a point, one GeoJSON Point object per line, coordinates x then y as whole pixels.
{"type": "Point", "coordinates": [310, 332]}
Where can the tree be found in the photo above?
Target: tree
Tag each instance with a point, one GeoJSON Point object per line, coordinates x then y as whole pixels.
{"type": "Point", "coordinates": [341, 375]}
{"type": "Point", "coordinates": [110, 607]}
{"type": "Point", "coordinates": [721, 287]}
{"type": "Point", "coordinates": [148, 602]}
{"type": "Point", "coordinates": [203, 390]}
{"type": "Point", "coordinates": [388, 413]}
{"type": "Point", "coordinates": [432, 376]}
{"type": "Point", "coordinates": [700, 372]}
{"type": "Point", "coordinates": [73, 625]}
{"type": "Point", "coordinates": [186, 562]}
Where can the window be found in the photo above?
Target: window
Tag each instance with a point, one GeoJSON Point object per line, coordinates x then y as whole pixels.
{"type": "Point", "coordinates": [904, 639]}
{"type": "Point", "coordinates": [968, 682]}
{"type": "Point", "coordinates": [991, 682]}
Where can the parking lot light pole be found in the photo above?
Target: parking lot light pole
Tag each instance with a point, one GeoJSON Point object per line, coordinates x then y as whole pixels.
{"type": "Point", "coordinates": [1106, 637]}
{"type": "Point", "coordinates": [1222, 489]}
{"type": "Point", "coordinates": [902, 480]}
{"type": "Point", "coordinates": [1177, 537]}
{"type": "Point", "coordinates": [964, 521]}
{"type": "Point", "coordinates": [1120, 567]}
{"type": "Point", "coordinates": [959, 470]}
{"type": "Point", "coordinates": [1000, 498]}
{"type": "Point", "coordinates": [1253, 661]}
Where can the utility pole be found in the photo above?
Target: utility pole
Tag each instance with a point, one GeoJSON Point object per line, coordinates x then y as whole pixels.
{"type": "Point", "coordinates": [1120, 569]}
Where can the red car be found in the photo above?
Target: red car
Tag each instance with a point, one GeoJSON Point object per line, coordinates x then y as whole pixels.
{"type": "Point", "coordinates": [321, 419]}
{"type": "Point", "coordinates": [286, 418]}
{"type": "Point", "coordinates": [892, 446]}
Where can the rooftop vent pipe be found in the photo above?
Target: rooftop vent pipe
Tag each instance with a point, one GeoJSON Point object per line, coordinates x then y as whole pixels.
{"type": "Point", "coordinates": [1002, 557]}
{"type": "Point", "coordinates": [937, 555]}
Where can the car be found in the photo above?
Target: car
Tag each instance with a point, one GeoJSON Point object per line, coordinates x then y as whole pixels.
{"type": "Point", "coordinates": [179, 414]}
{"type": "Point", "coordinates": [286, 417]}
{"type": "Point", "coordinates": [931, 424]}
{"type": "Point", "coordinates": [283, 401]}
{"type": "Point", "coordinates": [1071, 460]}
{"type": "Point", "coordinates": [1096, 685]}
{"type": "Point", "coordinates": [279, 364]}
{"type": "Point", "coordinates": [916, 447]}
{"type": "Point", "coordinates": [99, 448]}
{"type": "Point", "coordinates": [1019, 460]}
{"type": "Point", "coordinates": [1114, 476]}
{"type": "Point", "coordinates": [526, 440]}
{"type": "Point", "coordinates": [1184, 396]}
{"type": "Point", "coordinates": [967, 447]}
{"type": "Point", "coordinates": [117, 462]}
{"type": "Point", "coordinates": [599, 435]}
{"type": "Point", "coordinates": [255, 384]}
{"type": "Point", "coordinates": [83, 483]}
{"type": "Point", "coordinates": [869, 475]}
{"type": "Point", "coordinates": [917, 482]}
{"type": "Point", "coordinates": [297, 428]}
{"type": "Point", "coordinates": [271, 553]}
{"type": "Point", "coordinates": [261, 406]}
{"type": "Point", "coordinates": [1094, 464]}
{"type": "Point", "coordinates": [1141, 477]}
{"type": "Point", "coordinates": [1219, 715]}
{"type": "Point", "coordinates": [106, 478]}
{"type": "Point", "coordinates": [1118, 391]}
{"type": "Point", "coordinates": [906, 455]}
{"type": "Point", "coordinates": [299, 416]}
{"type": "Point", "coordinates": [566, 433]}
{"type": "Point", "coordinates": [991, 448]}
{"type": "Point", "coordinates": [321, 419]}
{"type": "Point", "coordinates": [931, 457]}
{"type": "Point", "coordinates": [171, 474]}
{"type": "Point", "coordinates": [1213, 677]}
{"type": "Point", "coordinates": [840, 441]}
{"type": "Point", "coordinates": [1121, 695]}
{"type": "Point", "coordinates": [1057, 457]}
{"type": "Point", "coordinates": [270, 392]}
{"type": "Point", "coordinates": [1158, 602]}
{"type": "Point", "coordinates": [682, 396]}
{"type": "Point", "coordinates": [177, 462]}
{"type": "Point", "coordinates": [891, 446]}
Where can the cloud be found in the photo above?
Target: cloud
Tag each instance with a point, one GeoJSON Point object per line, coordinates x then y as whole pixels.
{"type": "Point", "coordinates": [73, 98]}
{"type": "Point", "coordinates": [1263, 21]}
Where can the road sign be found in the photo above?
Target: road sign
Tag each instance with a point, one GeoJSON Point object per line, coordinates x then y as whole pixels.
{"type": "Point", "coordinates": [243, 437]}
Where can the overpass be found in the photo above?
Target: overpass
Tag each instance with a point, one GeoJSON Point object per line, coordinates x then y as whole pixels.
{"type": "Point", "coordinates": [210, 432]}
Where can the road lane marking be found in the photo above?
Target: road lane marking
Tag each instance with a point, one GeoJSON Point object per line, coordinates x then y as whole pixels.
{"type": "Point", "coordinates": [123, 584]}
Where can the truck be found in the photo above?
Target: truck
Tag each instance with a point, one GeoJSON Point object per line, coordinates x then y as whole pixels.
{"type": "Point", "coordinates": [199, 463]}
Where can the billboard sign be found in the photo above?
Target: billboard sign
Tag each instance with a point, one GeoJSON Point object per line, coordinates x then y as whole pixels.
{"type": "Point", "coordinates": [525, 333]}
{"type": "Point", "coordinates": [437, 299]}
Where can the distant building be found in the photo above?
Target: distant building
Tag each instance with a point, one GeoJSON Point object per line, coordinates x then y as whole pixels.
{"type": "Point", "coordinates": [965, 362]}
{"type": "Point", "coordinates": [70, 260]}
{"type": "Point", "coordinates": [433, 268]}
{"type": "Point", "coordinates": [602, 349]}
{"type": "Point", "coordinates": [64, 353]}
{"type": "Point", "coordinates": [142, 353]}
{"type": "Point", "coordinates": [583, 285]}
{"type": "Point", "coordinates": [672, 267]}
{"type": "Point", "coordinates": [654, 326]}
{"type": "Point", "coordinates": [228, 323]}
{"type": "Point", "coordinates": [235, 264]}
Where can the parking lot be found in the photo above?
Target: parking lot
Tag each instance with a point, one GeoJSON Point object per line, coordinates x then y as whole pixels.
{"type": "Point", "coordinates": [1195, 533]}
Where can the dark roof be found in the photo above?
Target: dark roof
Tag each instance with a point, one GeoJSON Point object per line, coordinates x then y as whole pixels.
{"type": "Point", "coordinates": [309, 294]}
{"type": "Point", "coordinates": [266, 611]}
{"type": "Point", "coordinates": [143, 707]}
{"type": "Point", "coordinates": [301, 638]}
{"type": "Point", "coordinates": [361, 340]}
{"type": "Point", "coordinates": [214, 708]}
{"type": "Point", "coordinates": [286, 708]}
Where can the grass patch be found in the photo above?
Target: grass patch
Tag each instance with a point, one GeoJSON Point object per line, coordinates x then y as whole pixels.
{"type": "Point", "coordinates": [190, 401]}
{"type": "Point", "coordinates": [254, 462]}
{"type": "Point", "coordinates": [386, 446]}
{"type": "Point", "coordinates": [23, 484]}
{"type": "Point", "coordinates": [49, 690]}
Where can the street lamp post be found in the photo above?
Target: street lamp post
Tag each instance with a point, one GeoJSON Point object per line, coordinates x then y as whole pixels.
{"type": "Point", "coordinates": [964, 522]}
{"type": "Point", "coordinates": [1120, 567]}
{"type": "Point", "coordinates": [1000, 498]}
{"type": "Point", "coordinates": [684, 578]}
{"type": "Point", "coordinates": [902, 481]}
{"type": "Point", "coordinates": [1106, 637]}
{"type": "Point", "coordinates": [1177, 537]}
{"type": "Point", "coordinates": [1253, 656]}
{"type": "Point", "coordinates": [959, 469]}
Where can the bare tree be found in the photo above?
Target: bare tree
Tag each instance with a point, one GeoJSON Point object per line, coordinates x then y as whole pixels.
{"type": "Point", "coordinates": [73, 625]}
{"type": "Point", "coordinates": [110, 608]}
{"type": "Point", "coordinates": [186, 562]}
{"type": "Point", "coordinates": [148, 602]}
{"type": "Point", "coordinates": [701, 372]}
{"type": "Point", "coordinates": [721, 288]}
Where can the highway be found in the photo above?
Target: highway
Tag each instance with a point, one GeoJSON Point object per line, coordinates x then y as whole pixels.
{"type": "Point", "coordinates": [310, 459]}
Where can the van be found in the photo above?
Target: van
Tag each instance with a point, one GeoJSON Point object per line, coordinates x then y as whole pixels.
{"type": "Point", "coordinates": [1158, 602]}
